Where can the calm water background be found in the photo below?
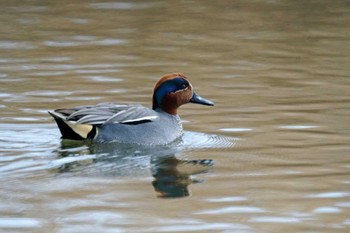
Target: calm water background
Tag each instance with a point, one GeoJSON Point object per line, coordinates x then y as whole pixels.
{"type": "Point", "coordinates": [278, 71]}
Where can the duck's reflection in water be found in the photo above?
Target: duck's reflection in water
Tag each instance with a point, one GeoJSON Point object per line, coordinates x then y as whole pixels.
{"type": "Point", "coordinates": [172, 176]}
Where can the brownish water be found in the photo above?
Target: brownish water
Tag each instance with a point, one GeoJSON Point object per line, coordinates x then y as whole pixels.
{"type": "Point", "coordinates": [278, 72]}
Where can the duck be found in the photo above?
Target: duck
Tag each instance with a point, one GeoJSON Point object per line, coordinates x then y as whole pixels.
{"type": "Point", "coordinates": [132, 123]}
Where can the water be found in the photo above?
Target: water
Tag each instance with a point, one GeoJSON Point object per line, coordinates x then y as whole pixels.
{"type": "Point", "coordinates": [278, 72]}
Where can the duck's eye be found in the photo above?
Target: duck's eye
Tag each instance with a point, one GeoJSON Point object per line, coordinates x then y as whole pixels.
{"type": "Point", "coordinates": [183, 86]}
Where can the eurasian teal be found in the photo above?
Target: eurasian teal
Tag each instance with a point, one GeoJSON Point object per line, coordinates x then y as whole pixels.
{"type": "Point", "coordinates": [107, 122]}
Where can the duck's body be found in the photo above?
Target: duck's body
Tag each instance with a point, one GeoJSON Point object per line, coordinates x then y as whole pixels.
{"type": "Point", "coordinates": [132, 123]}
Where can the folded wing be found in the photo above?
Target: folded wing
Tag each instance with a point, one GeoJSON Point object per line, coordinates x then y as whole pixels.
{"type": "Point", "coordinates": [81, 122]}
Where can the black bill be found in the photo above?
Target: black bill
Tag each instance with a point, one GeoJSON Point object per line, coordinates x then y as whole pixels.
{"type": "Point", "coordinates": [199, 100]}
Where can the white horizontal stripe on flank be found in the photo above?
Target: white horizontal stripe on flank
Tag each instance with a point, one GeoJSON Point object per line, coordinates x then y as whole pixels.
{"type": "Point", "coordinates": [140, 119]}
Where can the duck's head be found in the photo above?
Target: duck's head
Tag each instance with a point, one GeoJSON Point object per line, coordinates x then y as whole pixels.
{"type": "Point", "coordinates": [174, 90]}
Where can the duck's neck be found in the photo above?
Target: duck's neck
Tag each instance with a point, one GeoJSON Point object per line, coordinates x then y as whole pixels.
{"type": "Point", "coordinates": [168, 111]}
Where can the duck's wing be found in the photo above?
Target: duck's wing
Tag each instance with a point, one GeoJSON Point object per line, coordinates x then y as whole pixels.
{"type": "Point", "coordinates": [83, 120]}
{"type": "Point", "coordinates": [108, 113]}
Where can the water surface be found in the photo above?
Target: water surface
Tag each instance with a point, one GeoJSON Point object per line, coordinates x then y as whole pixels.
{"type": "Point", "coordinates": [275, 147]}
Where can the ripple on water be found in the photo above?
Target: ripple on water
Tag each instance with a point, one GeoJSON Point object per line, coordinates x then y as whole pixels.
{"type": "Point", "coordinates": [196, 140]}
{"type": "Point", "coordinates": [233, 209]}
{"type": "Point", "coordinates": [25, 147]}
{"type": "Point", "coordinates": [203, 226]}
{"type": "Point", "coordinates": [326, 210]}
{"type": "Point", "coordinates": [273, 219]}
{"type": "Point", "coordinates": [329, 195]}
{"type": "Point", "coordinates": [7, 223]}
{"type": "Point", "coordinates": [298, 127]}
{"type": "Point", "coordinates": [120, 6]}
{"type": "Point", "coordinates": [83, 42]}
{"type": "Point", "coordinates": [227, 199]}
{"type": "Point", "coordinates": [104, 79]}
{"type": "Point", "coordinates": [16, 45]}
{"type": "Point", "coordinates": [236, 129]}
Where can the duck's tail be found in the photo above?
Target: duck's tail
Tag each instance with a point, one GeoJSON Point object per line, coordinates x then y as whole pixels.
{"type": "Point", "coordinates": [72, 129]}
